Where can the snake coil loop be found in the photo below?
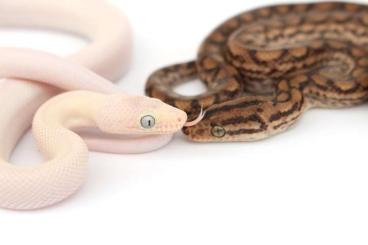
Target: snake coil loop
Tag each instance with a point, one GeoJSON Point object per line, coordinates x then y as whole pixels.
{"type": "Point", "coordinates": [264, 68]}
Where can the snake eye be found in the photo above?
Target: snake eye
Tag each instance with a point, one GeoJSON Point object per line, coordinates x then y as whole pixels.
{"type": "Point", "coordinates": [148, 122]}
{"type": "Point", "coordinates": [218, 131]}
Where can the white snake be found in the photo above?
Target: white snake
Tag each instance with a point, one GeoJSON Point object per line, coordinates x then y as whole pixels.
{"type": "Point", "coordinates": [114, 113]}
{"type": "Point", "coordinates": [64, 171]}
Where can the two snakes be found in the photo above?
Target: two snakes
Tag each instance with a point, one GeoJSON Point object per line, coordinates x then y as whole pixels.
{"type": "Point", "coordinates": [264, 68]}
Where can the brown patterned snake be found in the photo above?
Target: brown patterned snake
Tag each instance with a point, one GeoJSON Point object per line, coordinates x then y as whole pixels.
{"type": "Point", "coordinates": [265, 67]}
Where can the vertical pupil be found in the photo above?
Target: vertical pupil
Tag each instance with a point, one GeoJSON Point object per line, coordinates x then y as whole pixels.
{"type": "Point", "coordinates": [218, 131]}
{"type": "Point", "coordinates": [148, 122]}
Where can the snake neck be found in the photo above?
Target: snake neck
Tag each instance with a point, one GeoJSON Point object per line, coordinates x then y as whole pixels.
{"type": "Point", "coordinates": [66, 153]}
{"type": "Point", "coordinates": [54, 121]}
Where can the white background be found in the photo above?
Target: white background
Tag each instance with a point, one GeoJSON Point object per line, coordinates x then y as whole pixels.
{"type": "Point", "coordinates": [306, 186]}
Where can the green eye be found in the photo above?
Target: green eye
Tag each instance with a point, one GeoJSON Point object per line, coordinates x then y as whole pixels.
{"type": "Point", "coordinates": [148, 122]}
{"type": "Point", "coordinates": [218, 132]}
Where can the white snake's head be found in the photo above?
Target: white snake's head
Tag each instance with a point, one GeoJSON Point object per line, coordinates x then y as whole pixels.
{"type": "Point", "coordinates": [126, 114]}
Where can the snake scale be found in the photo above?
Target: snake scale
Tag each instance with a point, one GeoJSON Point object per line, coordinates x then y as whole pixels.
{"type": "Point", "coordinates": [111, 120]}
{"type": "Point", "coordinates": [132, 120]}
{"type": "Point", "coordinates": [265, 67]}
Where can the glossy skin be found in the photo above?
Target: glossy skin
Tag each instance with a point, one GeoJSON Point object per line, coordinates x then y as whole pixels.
{"type": "Point", "coordinates": [264, 68]}
{"type": "Point", "coordinates": [25, 88]}
{"type": "Point", "coordinates": [107, 53]}
{"type": "Point", "coordinates": [108, 110]}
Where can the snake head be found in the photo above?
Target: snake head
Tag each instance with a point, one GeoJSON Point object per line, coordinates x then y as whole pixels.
{"type": "Point", "coordinates": [242, 119]}
{"type": "Point", "coordinates": [205, 131]}
{"type": "Point", "coordinates": [127, 114]}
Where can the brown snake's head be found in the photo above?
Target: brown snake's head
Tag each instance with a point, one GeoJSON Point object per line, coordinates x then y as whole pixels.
{"type": "Point", "coordinates": [232, 121]}
{"type": "Point", "coordinates": [206, 130]}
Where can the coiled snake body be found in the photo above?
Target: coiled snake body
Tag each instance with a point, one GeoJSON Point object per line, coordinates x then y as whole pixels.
{"type": "Point", "coordinates": [102, 107]}
{"type": "Point", "coordinates": [265, 67]}
{"type": "Point", "coordinates": [129, 124]}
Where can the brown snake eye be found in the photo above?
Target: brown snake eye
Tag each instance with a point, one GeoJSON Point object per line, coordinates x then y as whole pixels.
{"type": "Point", "coordinates": [218, 132]}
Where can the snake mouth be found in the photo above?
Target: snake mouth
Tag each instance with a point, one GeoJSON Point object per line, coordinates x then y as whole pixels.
{"type": "Point", "coordinates": [197, 120]}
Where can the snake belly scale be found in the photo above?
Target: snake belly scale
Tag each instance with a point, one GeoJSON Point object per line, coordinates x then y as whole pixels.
{"type": "Point", "coordinates": [265, 67]}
